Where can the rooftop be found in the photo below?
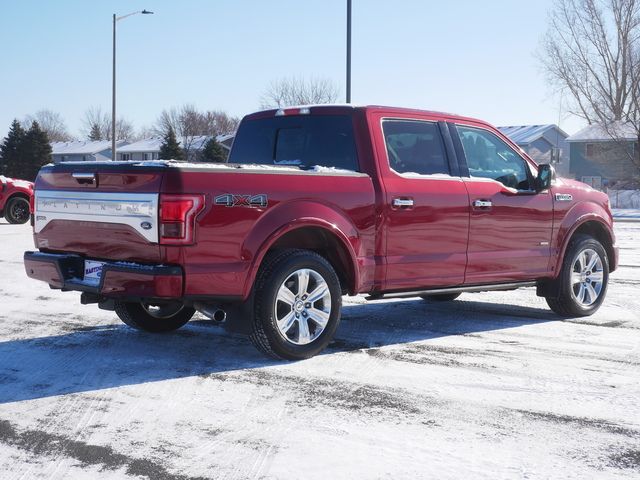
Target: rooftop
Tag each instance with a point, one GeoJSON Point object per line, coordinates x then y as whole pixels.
{"type": "Point", "coordinates": [82, 147]}
{"type": "Point", "coordinates": [153, 144]}
{"type": "Point", "coordinates": [600, 133]}
{"type": "Point", "coordinates": [525, 134]}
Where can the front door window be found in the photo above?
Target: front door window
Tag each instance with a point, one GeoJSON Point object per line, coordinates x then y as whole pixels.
{"type": "Point", "coordinates": [490, 157]}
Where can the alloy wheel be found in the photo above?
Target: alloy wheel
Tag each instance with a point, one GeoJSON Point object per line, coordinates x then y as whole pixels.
{"type": "Point", "coordinates": [587, 277]}
{"type": "Point", "coordinates": [302, 307]}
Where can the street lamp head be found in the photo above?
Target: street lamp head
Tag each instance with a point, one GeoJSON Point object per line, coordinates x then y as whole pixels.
{"type": "Point", "coordinates": [146, 12]}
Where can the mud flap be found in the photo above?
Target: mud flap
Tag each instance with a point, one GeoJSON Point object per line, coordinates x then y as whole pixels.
{"type": "Point", "coordinates": [239, 316]}
{"type": "Point", "coordinates": [548, 288]}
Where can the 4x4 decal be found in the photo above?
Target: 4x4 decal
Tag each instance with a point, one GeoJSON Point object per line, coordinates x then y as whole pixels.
{"type": "Point", "coordinates": [251, 201]}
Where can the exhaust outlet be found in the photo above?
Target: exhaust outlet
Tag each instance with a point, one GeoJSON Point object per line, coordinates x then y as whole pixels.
{"type": "Point", "coordinates": [212, 313]}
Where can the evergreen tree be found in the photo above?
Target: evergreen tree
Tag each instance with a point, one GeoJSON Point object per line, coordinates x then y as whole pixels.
{"type": "Point", "coordinates": [170, 148]}
{"type": "Point", "coordinates": [95, 133]}
{"type": "Point", "coordinates": [36, 152]}
{"type": "Point", "coordinates": [214, 152]}
{"type": "Point", "coordinates": [11, 151]}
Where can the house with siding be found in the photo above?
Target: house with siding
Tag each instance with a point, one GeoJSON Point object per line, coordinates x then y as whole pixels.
{"type": "Point", "coordinates": [83, 151]}
{"type": "Point", "coordinates": [145, 149]}
{"type": "Point", "coordinates": [602, 156]}
{"type": "Point", "coordinates": [149, 148]}
{"type": "Point", "coordinates": [543, 143]}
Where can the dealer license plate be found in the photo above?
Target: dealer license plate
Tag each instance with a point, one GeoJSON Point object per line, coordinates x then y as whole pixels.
{"type": "Point", "coordinates": [92, 271]}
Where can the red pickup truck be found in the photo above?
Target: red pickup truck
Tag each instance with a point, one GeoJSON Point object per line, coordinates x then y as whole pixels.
{"type": "Point", "coordinates": [315, 203]}
{"type": "Point", "coordinates": [15, 196]}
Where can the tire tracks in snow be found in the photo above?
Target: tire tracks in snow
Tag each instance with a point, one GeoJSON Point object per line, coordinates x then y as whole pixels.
{"type": "Point", "coordinates": [40, 442]}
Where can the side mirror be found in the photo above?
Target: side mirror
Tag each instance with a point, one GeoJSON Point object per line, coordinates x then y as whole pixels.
{"type": "Point", "coordinates": [546, 176]}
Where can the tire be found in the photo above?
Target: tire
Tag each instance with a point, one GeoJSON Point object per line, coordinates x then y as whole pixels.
{"type": "Point", "coordinates": [17, 210]}
{"type": "Point", "coordinates": [284, 325]}
{"type": "Point", "coordinates": [153, 318]}
{"type": "Point", "coordinates": [580, 293]}
{"type": "Point", "coordinates": [441, 297]}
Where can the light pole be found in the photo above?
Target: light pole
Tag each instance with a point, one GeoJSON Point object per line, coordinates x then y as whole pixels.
{"type": "Point", "coordinates": [348, 51]}
{"type": "Point", "coordinates": [113, 80]}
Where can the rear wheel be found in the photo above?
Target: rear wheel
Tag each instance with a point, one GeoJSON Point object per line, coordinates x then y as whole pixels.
{"type": "Point", "coordinates": [297, 305]}
{"type": "Point", "coordinates": [583, 279]}
{"type": "Point", "coordinates": [156, 318]}
{"type": "Point", "coordinates": [17, 210]}
{"type": "Point", "coordinates": [441, 297]}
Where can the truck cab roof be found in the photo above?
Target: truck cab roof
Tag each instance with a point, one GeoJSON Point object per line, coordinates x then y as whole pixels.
{"type": "Point", "coordinates": [344, 108]}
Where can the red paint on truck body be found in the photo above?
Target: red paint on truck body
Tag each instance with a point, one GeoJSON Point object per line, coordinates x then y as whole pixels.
{"type": "Point", "coordinates": [440, 241]}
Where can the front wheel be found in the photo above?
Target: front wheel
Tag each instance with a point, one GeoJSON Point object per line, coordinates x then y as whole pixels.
{"type": "Point", "coordinates": [297, 305]}
{"type": "Point", "coordinates": [155, 318]}
{"type": "Point", "coordinates": [583, 279]}
{"type": "Point", "coordinates": [17, 210]}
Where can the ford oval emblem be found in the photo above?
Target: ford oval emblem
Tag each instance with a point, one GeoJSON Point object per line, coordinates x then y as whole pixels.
{"type": "Point", "coordinates": [146, 225]}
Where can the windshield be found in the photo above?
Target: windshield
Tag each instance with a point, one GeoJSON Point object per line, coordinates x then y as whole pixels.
{"type": "Point", "coordinates": [298, 140]}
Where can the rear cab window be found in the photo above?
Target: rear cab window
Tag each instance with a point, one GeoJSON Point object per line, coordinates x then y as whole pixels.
{"type": "Point", "coordinates": [304, 141]}
{"type": "Point", "coordinates": [415, 147]}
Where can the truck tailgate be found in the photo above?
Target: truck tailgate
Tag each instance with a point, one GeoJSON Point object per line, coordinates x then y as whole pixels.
{"type": "Point", "coordinates": [99, 210]}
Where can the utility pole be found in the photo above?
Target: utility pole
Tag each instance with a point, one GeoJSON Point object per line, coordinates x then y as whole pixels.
{"type": "Point", "coordinates": [348, 51]}
{"type": "Point", "coordinates": [113, 81]}
{"type": "Point", "coordinates": [113, 95]}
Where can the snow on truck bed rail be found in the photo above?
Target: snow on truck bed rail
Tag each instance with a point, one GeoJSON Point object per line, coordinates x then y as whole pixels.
{"type": "Point", "coordinates": [257, 166]}
{"type": "Point", "coordinates": [213, 166]}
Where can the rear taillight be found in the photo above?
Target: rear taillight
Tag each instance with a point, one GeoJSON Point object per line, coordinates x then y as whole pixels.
{"type": "Point", "coordinates": [177, 218]}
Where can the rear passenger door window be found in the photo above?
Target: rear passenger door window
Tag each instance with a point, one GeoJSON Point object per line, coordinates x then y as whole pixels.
{"type": "Point", "coordinates": [415, 147]}
{"type": "Point", "coordinates": [490, 157]}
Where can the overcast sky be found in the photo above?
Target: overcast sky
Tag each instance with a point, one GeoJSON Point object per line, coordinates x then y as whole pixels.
{"type": "Point", "coordinates": [469, 57]}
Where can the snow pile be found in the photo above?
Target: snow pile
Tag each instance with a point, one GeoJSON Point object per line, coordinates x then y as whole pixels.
{"type": "Point", "coordinates": [624, 198]}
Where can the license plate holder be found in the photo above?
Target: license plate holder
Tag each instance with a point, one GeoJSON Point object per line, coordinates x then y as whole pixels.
{"type": "Point", "coordinates": [92, 272]}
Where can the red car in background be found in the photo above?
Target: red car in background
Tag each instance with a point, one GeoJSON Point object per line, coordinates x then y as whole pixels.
{"type": "Point", "coordinates": [15, 196]}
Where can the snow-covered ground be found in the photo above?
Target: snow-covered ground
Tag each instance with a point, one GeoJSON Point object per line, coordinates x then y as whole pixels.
{"type": "Point", "coordinates": [626, 214]}
{"type": "Point", "coordinates": [490, 386]}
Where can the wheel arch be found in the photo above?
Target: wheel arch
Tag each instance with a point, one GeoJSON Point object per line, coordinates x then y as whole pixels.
{"type": "Point", "coordinates": [18, 194]}
{"type": "Point", "coordinates": [596, 227]}
{"type": "Point", "coordinates": [330, 234]}
{"type": "Point", "coordinates": [326, 243]}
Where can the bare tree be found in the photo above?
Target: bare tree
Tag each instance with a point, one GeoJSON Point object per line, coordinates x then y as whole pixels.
{"type": "Point", "coordinates": [124, 129]}
{"type": "Point", "coordinates": [221, 122]}
{"type": "Point", "coordinates": [591, 50]}
{"type": "Point", "coordinates": [185, 121]}
{"type": "Point", "coordinates": [299, 91]}
{"type": "Point", "coordinates": [51, 122]}
{"type": "Point", "coordinates": [145, 132]}
{"type": "Point", "coordinates": [97, 121]}
{"type": "Point", "coordinates": [95, 124]}
{"type": "Point", "coordinates": [188, 122]}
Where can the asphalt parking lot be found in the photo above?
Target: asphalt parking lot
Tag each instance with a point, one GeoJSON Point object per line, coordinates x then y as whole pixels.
{"type": "Point", "coordinates": [493, 385]}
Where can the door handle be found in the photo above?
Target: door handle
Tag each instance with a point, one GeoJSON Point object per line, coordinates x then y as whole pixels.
{"type": "Point", "coordinates": [403, 202]}
{"type": "Point", "coordinates": [482, 203]}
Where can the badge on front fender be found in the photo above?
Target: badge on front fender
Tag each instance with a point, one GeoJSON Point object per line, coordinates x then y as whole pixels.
{"type": "Point", "coordinates": [564, 197]}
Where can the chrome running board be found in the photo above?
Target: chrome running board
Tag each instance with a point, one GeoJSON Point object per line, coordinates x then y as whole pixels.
{"type": "Point", "coordinates": [438, 291]}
